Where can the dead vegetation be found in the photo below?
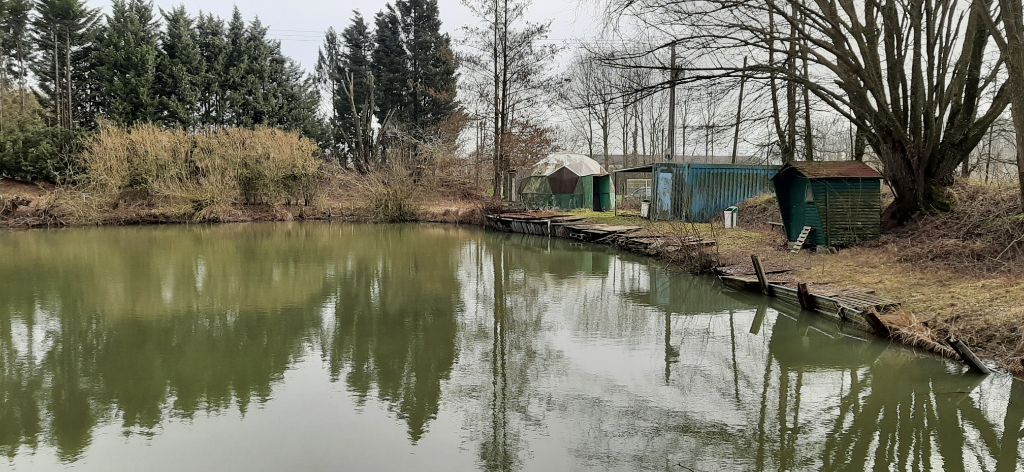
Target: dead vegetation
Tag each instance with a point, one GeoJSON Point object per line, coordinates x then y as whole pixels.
{"type": "Point", "coordinates": [982, 234]}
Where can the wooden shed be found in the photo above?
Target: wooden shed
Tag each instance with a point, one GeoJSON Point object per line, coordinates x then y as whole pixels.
{"type": "Point", "coordinates": [840, 201]}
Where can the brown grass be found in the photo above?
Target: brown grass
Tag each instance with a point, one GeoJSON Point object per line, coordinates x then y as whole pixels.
{"type": "Point", "coordinates": [199, 175]}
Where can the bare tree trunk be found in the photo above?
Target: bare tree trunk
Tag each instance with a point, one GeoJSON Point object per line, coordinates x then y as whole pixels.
{"type": "Point", "coordinates": [739, 113]}
{"type": "Point", "coordinates": [67, 71]}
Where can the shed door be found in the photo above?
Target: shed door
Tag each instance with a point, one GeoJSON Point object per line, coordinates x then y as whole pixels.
{"type": "Point", "coordinates": [664, 196]}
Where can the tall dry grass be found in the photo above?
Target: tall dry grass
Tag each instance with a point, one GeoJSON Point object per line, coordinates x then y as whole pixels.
{"type": "Point", "coordinates": [386, 195]}
{"type": "Point", "coordinates": [201, 173]}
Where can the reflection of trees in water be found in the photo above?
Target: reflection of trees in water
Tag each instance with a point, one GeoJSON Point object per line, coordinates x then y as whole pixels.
{"type": "Point", "coordinates": [94, 329]}
{"type": "Point", "coordinates": [141, 324]}
{"type": "Point", "coordinates": [395, 321]}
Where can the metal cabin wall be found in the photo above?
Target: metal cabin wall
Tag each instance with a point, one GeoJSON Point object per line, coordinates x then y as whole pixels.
{"type": "Point", "coordinates": [850, 209]}
{"type": "Point", "coordinates": [710, 188]}
{"type": "Point", "coordinates": [702, 191]}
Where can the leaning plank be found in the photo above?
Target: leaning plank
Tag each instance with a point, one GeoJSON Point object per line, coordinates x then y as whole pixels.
{"type": "Point", "coordinates": [761, 278]}
{"type": "Point", "coordinates": [968, 356]}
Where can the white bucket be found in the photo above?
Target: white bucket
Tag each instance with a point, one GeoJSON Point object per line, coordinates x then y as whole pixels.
{"type": "Point", "coordinates": [645, 209]}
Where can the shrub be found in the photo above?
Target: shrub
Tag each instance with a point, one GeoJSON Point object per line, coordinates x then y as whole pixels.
{"type": "Point", "coordinates": [29, 149]}
{"type": "Point", "coordinates": [386, 196]}
{"type": "Point", "coordinates": [204, 170]}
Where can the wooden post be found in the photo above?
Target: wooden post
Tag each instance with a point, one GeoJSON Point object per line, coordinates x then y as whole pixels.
{"type": "Point", "coordinates": [879, 327]}
{"type": "Point", "coordinates": [968, 356]}
{"type": "Point", "coordinates": [761, 278]}
{"type": "Point", "coordinates": [804, 295]}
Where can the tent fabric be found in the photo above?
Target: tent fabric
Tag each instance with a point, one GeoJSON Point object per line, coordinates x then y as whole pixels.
{"type": "Point", "coordinates": [576, 163]}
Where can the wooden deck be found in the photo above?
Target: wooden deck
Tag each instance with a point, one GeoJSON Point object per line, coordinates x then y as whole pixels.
{"type": "Point", "coordinates": [562, 225]}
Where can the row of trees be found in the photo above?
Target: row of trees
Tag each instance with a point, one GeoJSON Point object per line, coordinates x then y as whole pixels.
{"type": "Point", "coordinates": [130, 67]}
{"type": "Point", "coordinates": [394, 86]}
{"type": "Point", "coordinates": [71, 67]}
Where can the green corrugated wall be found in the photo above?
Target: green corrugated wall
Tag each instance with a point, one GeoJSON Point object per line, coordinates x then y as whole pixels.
{"type": "Point", "coordinates": [844, 212]}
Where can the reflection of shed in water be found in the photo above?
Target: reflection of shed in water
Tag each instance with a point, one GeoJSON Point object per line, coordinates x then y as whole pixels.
{"type": "Point", "coordinates": [552, 256]}
{"type": "Point", "coordinates": [806, 343]}
{"type": "Point", "coordinates": [671, 292]}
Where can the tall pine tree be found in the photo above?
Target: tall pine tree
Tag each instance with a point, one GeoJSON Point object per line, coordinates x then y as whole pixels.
{"type": "Point", "coordinates": [390, 64]}
{"type": "Point", "coordinates": [125, 63]}
{"type": "Point", "coordinates": [431, 75]}
{"type": "Point", "coordinates": [211, 39]}
{"type": "Point", "coordinates": [328, 77]}
{"type": "Point", "coordinates": [62, 35]}
{"type": "Point", "coordinates": [15, 44]}
{"type": "Point", "coordinates": [179, 71]}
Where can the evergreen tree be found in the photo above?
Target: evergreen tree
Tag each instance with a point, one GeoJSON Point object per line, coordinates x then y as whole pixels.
{"type": "Point", "coordinates": [355, 81]}
{"type": "Point", "coordinates": [125, 62]}
{"type": "Point", "coordinates": [263, 66]}
{"type": "Point", "coordinates": [389, 64]}
{"type": "Point", "coordinates": [431, 73]}
{"type": "Point", "coordinates": [179, 71]}
{"type": "Point", "coordinates": [211, 39]}
{"type": "Point", "coordinates": [62, 35]}
{"type": "Point", "coordinates": [328, 76]}
{"type": "Point", "coordinates": [236, 67]}
{"type": "Point", "coordinates": [14, 42]}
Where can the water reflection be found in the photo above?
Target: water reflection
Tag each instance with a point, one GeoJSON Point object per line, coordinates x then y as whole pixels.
{"type": "Point", "coordinates": [533, 354]}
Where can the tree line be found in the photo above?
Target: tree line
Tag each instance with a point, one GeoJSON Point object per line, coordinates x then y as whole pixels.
{"type": "Point", "coordinates": [65, 68]}
{"type": "Point", "coordinates": [392, 89]}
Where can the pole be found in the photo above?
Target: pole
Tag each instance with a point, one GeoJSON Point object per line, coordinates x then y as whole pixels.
{"type": "Point", "coordinates": [672, 105]}
{"type": "Point", "coordinates": [739, 112]}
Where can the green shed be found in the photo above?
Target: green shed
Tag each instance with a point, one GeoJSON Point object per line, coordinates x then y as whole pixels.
{"type": "Point", "coordinates": [840, 201]}
{"type": "Point", "coordinates": [566, 181]}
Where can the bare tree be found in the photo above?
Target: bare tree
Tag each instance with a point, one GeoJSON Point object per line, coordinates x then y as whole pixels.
{"type": "Point", "coordinates": [910, 75]}
{"type": "Point", "coordinates": [511, 52]}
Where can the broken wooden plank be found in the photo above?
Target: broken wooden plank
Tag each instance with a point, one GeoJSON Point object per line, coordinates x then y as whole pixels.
{"type": "Point", "coordinates": [968, 356]}
{"type": "Point", "coordinates": [761, 278]}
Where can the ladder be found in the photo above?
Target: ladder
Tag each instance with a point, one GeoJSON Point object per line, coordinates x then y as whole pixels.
{"type": "Point", "coordinates": [800, 241]}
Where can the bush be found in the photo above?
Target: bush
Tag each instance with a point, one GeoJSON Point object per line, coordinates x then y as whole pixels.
{"type": "Point", "coordinates": [202, 171]}
{"type": "Point", "coordinates": [29, 149]}
{"type": "Point", "coordinates": [386, 195]}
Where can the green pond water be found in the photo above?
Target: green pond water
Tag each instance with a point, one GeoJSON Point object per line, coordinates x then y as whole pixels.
{"type": "Point", "coordinates": [432, 348]}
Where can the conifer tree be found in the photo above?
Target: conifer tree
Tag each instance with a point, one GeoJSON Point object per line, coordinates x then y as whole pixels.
{"type": "Point", "coordinates": [179, 71]}
{"type": "Point", "coordinates": [356, 82]}
{"type": "Point", "coordinates": [389, 64]}
{"type": "Point", "coordinates": [62, 34]}
{"type": "Point", "coordinates": [15, 45]}
{"type": "Point", "coordinates": [125, 62]}
{"type": "Point", "coordinates": [431, 68]}
{"type": "Point", "coordinates": [211, 39]}
{"type": "Point", "coordinates": [236, 67]}
{"type": "Point", "coordinates": [328, 76]}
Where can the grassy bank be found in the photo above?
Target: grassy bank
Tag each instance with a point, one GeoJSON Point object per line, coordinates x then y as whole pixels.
{"type": "Point", "coordinates": [957, 273]}
{"type": "Point", "coordinates": [150, 175]}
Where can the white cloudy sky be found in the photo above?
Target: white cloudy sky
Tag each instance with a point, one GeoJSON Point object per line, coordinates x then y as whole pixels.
{"type": "Point", "coordinates": [299, 24]}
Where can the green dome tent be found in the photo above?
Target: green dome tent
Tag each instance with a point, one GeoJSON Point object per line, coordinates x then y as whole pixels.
{"type": "Point", "coordinates": [567, 181]}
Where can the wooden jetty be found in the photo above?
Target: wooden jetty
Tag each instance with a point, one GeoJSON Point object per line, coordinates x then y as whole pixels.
{"type": "Point", "coordinates": [562, 225]}
{"type": "Point", "coordinates": [857, 306]}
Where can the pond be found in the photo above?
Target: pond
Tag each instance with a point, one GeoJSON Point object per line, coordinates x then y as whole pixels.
{"type": "Point", "coordinates": [317, 346]}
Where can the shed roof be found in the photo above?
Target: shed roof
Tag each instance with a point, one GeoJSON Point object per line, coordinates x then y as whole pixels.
{"type": "Point", "coordinates": [833, 170]}
{"type": "Point", "coordinates": [577, 163]}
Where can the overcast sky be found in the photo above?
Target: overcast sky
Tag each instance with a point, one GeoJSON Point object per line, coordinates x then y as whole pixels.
{"type": "Point", "coordinates": [300, 24]}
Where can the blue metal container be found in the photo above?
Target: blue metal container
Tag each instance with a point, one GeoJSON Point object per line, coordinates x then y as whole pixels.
{"type": "Point", "coordinates": [699, 192]}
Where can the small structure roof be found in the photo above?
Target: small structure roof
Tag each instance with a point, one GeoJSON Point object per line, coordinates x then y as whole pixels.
{"type": "Point", "coordinates": [833, 170]}
{"type": "Point", "coordinates": [577, 163]}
